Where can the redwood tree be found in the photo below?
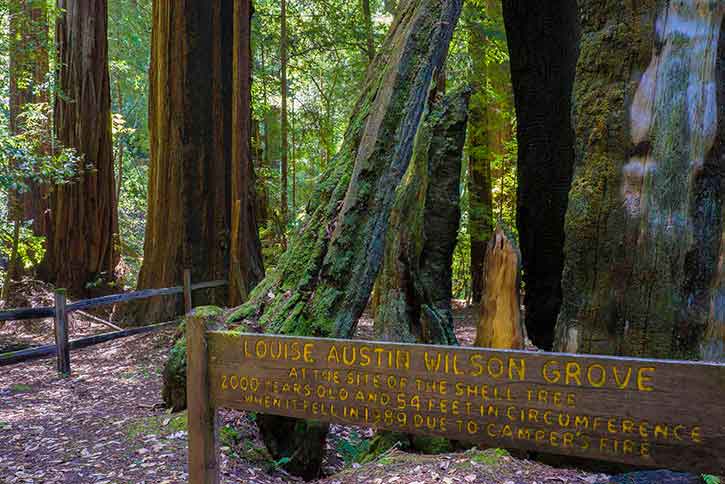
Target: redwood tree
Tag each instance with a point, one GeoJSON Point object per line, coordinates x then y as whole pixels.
{"type": "Point", "coordinates": [82, 244]}
{"type": "Point", "coordinates": [200, 168]}
{"type": "Point", "coordinates": [644, 271]}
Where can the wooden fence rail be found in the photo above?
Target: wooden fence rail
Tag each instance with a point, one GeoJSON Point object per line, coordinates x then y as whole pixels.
{"type": "Point", "coordinates": [62, 347]}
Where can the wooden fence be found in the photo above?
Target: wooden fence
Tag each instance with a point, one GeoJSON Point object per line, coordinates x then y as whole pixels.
{"type": "Point", "coordinates": [59, 312]}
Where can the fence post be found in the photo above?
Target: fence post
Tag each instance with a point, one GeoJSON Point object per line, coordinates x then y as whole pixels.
{"type": "Point", "coordinates": [61, 333]}
{"type": "Point", "coordinates": [187, 291]}
{"type": "Point", "coordinates": [202, 456]}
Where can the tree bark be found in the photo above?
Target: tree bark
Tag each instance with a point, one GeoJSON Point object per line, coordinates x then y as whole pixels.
{"type": "Point", "coordinates": [283, 118]}
{"type": "Point", "coordinates": [414, 285]}
{"type": "Point", "coordinates": [245, 252]}
{"type": "Point", "coordinates": [542, 40]}
{"type": "Point", "coordinates": [488, 128]}
{"type": "Point", "coordinates": [644, 250]}
{"type": "Point", "coordinates": [193, 182]}
{"type": "Point", "coordinates": [368, 21]}
{"type": "Point", "coordinates": [82, 247]}
{"type": "Point", "coordinates": [323, 281]}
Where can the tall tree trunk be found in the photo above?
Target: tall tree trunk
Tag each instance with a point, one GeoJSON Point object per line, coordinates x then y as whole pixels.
{"type": "Point", "coordinates": [368, 21]}
{"type": "Point", "coordinates": [28, 53]}
{"type": "Point", "coordinates": [245, 252]}
{"type": "Point", "coordinates": [28, 60]}
{"type": "Point", "coordinates": [414, 284]}
{"type": "Point", "coordinates": [283, 119]}
{"type": "Point", "coordinates": [293, 160]}
{"type": "Point", "coordinates": [480, 212]}
{"type": "Point", "coordinates": [323, 281]}
{"type": "Point", "coordinates": [82, 247]}
{"type": "Point", "coordinates": [192, 182]}
{"type": "Point", "coordinates": [644, 250]}
{"type": "Point", "coordinates": [542, 40]}
{"type": "Point", "coordinates": [488, 126]}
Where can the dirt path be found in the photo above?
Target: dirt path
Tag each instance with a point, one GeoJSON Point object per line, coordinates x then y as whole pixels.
{"type": "Point", "coordinates": [105, 424]}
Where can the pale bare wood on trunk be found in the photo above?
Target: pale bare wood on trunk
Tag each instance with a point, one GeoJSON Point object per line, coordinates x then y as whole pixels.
{"type": "Point", "coordinates": [500, 324]}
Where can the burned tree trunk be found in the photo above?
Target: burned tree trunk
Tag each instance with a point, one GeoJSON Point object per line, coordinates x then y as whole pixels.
{"type": "Point", "coordinates": [324, 279]}
{"type": "Point", "coordinates": [500, 325]}
{"type": "Point", "coordinates": [644, 251]}
{"type": "Point", "coordinates": [193, 183]}
{"type": "Point", "coordinates": [542, 40]}
{"type": "Point", "coordinates": [82, 245]}
{"type": "Point", "coordinates": [414, 285]}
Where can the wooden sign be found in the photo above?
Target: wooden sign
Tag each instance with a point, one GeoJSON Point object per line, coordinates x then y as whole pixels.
{"type": "Point", "coordinates": [649, 413]}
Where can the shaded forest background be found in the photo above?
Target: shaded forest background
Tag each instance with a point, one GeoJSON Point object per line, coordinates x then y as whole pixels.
{"type": "Point", "coordinates": [327, 56]}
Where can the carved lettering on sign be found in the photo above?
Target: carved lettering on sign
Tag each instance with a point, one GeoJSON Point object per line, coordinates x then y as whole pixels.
{"type": "Point", "coordinates": [642, 412]}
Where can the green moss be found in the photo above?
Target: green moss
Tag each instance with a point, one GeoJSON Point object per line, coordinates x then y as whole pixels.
{"type": "Point", "coordinates": [174, 376]}
{"type": "Point", "coordinates": [158, 425]}
{"type": "Point", "coordinates": [208, 312]}
{"type": "Point", "coordinates": [20, 388]}
{"type": "Point", "coordinates": [383, 442]}
{"type": "Point", "coordinates": [487, 457]}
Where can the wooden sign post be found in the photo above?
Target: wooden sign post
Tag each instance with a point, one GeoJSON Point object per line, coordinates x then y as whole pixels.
{"type": "Point", "coordinates": [648, 413]}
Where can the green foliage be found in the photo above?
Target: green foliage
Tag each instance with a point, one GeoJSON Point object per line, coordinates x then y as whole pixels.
{"type": "Point", "coordinates": [129, 50]}
{"type": "Point", "coordinates": [488, 457]}
{"type": "Point", "coordinates": [710, 479]}
{"type": "Point", "coordinates": [353, 449]}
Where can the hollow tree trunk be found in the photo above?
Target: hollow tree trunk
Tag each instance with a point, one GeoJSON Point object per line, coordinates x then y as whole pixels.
{"type": "Point", "coordinates": [324, 279]}
{"type": "Point", "coordinates": [542, 40]}
{"type": "Point", "coordinates": [193, 185]}
{"type": "Point", "coordinates": [82, 245]}
{"type": "Point", "coordinates": [414, 285]}
{"type": "Point", "coordinates": [644, 251]}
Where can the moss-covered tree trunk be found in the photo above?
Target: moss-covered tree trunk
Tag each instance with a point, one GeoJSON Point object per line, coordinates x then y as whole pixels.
{"type": "Point", "coordinates": [82, 246]}
{"type": "Point", "coordinates": [542, 40]}
{"type": "Point", "coordinates": [414, 285]}
{"type": "Point", "coordinates": [324, 279]}
{"type": "Point", "coordinates": [644, 251]}
{"type": "Point", "coordinates": [196, 177]}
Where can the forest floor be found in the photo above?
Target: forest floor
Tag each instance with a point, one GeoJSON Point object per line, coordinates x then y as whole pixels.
{"type": "Point", "coordinates": [106, 424]}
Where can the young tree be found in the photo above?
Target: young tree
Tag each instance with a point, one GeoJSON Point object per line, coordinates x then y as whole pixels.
{"type": "Point", "coordinates": [193, 182]}
{"type": "Point", "coordinates": [82, 241]}
{"type": "Point", "coordinates": [644, 271]}
{"type": "Point", "coordinates": [543, 60]}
